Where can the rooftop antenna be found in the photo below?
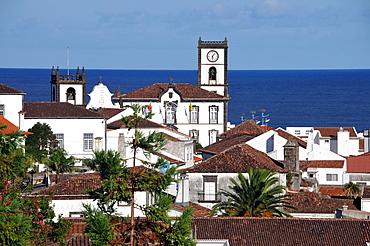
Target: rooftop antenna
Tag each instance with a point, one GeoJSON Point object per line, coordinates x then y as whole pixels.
{"type": "Point", "coordinates": [242, 116]}
{"type": "Point", "coordinates": [67, 60]}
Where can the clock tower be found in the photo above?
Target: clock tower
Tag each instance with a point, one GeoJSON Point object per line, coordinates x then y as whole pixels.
{"type": "Point", "coordinates": [212, 66]}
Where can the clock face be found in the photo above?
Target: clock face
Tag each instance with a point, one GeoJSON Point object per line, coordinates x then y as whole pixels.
{"type": "Point", "coordinates": [212, 56]}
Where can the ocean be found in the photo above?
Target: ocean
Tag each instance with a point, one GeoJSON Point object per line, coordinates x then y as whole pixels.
{"type": "Point", "coordinates": [319, 98]}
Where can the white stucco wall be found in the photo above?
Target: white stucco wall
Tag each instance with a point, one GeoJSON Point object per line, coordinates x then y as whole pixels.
{"type": "Point", "coordinates": [196, 184]}
{"type": "Point", "coordinates": [65, 207]}
{"type": "Point", "coordinates": [73, 130]}
{"type": "Point", "coordinates": [12, 105]}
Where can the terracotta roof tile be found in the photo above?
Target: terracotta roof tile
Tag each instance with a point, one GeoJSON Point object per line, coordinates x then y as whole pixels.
{"type": "Point", "coordinates": [226, 143]}
{"type": "Point", "coordinates": [291, 137]}
{"type": "Point", "coordinates": [187, 92]}
{"type": "Point", "coordinates": [311, 202]}
{"type": "Point", "coordinates": [199, 211]}
{"type": "Point", "coordinates": [283, 231]}
{"type": "Point", "coordinates": [110, 112]}
{"type": "Point", "coordinates": [57, 110]}
{"type": "Point", "coordinates": [73, 188]}
{"type": "Point", "coordinates": [321, 164]}
{"type": "Point", "coordinates": [333, 131]}
{"type": "Point", "coordinates": [332, 191]}
{"type": "Point", "coordinates": [10, 127]}
{"type": "Point", "coordinates": [5, 89]}
{"type": "Point", "coordinates": [237, 159]}
{"type": "Point", "coordinates": [358, 164]}
{"type": "Point", "coordinates": [248, 127]}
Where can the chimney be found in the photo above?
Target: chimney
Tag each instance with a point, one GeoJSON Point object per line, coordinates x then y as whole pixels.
{"type": "Point", "coordinates": [291, 156]}
{"type": "Point", "coordinates": [21, 120]}
{"type": "Point", "coordinates": [291, 163]}
{"type": "Point", "coordinates": [343, 142]}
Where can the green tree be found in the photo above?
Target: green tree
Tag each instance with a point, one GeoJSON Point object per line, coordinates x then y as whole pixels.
{"type": "Point", "coordinates": [41, 142]}
{"type": "Point", "coordinates": [255, 196]}
{"type": "Point", "coordinates": [99, 226]}
{"type": "Point", "coordinates": [23, 220]}
{"type": "Point", "coordinates": [121, 182]}
{"type": "Point", "coordinates": [351, 190]}
{"type": "Point", "coordinates": [58, 162]}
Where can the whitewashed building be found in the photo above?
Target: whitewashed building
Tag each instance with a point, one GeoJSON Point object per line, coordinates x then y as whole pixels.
{"type": "Point", "coordinates": [78, 130]}
{"type": "Point", "coordinates": [344, 141]}
{"type": "Point", "coordinates": [200, 111]}
{"type": "Point", "coordinates": [11, 103]}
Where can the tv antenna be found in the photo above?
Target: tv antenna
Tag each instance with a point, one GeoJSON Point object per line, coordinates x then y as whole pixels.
{"type": "Point", "coordinates": [67, 60]}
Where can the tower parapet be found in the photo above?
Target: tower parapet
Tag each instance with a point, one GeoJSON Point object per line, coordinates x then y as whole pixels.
{"type": "Point", "coordinates": [68, 88]}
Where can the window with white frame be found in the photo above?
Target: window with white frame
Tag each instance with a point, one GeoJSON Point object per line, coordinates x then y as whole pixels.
{"type": "Point", "coordinates": [194, 134]}
{"type": "Point", "coordinates": [194, 114]}
{"type": "Point", "coordinates": [88, 141]}
{"type": "Point", "coordinates": [209, 188]}
{"type": "Point", "coordinates": [212, 136]}
{"type": "Point", "coordinates": [331, 177]}
{"type": "Point", "coordinates": [60, 139]}
{"type": "Point", "coordinates": [170, 113]}
{"type": "Point", "coordinates": [2, 109]}
{"type": "Point", "coordinates": [213, 114]}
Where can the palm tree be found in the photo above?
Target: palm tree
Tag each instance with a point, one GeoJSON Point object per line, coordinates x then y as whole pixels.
{"type": "Point", "coordinates": [256, 196]}
{"type": "Point", "coordinates": [58, 162]}
{"type": "Point", "coordinates": [351, 190]}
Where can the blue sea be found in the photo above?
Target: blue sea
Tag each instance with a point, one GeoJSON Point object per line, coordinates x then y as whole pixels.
{"type": "Point", "coordinates": [290, 97]}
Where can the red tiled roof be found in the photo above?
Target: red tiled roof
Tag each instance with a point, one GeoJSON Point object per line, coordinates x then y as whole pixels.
{"type": "Point", "coordinates": [73, 188]}
{"type": "Point", "coordinates": [282, 231]}
{"type": "Point", "coordinates": [196, 158]}
{"type": "Point", "coordinates": [199, 211]}
{"type": "Point", "coordinates": [187, 92]}
{"type": "Point", "coordinates": [321, 164]}
{"type": "Point", "coordinates": [226, 143]}
{"type": "Point", "coordinates": [110, 112]}
{"type": "Point", "coordinates": [332, 190]}
{"type": "Point", "coordinates": [291, 137]}
{"type": "Point", "coordinates": [311, 202]}
{"type": "Point", "coordinates": [57, 110]}
{"type": "Point", "coordinates": [237, 159]}
{"type": "Point", "coordinates": [5, 89]}
{"type": "Point", "coordinates": [333, 131]}
{"type": "Point", "coordinates": [248, 127]}
{"type": "Point", "coordinates": [358, 164]}
{"type": "Point", "coordinates": [10, 127]}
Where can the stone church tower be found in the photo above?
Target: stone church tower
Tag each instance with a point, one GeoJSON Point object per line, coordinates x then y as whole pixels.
{"type": "Point", "coordinates": [68, 88]}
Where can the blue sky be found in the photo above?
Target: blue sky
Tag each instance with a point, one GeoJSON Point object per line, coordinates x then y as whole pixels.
{"type": "Point", "coordinates": [163, 34]}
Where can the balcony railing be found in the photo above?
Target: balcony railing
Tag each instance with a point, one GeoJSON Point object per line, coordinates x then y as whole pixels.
{"type": "Point", "coordinates": [206, 197]}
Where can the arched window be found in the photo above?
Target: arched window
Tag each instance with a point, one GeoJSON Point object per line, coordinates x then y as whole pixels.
{"type": "Point", "coordinates": [71, 94]}
{"type": "Point", "coordinates": [212, 73]}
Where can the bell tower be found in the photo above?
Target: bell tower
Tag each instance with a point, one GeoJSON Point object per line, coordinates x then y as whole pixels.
{"type": "Point", "coordinates": [212, 66]}
{"type": "Point", "coordinates": [68, 88]}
